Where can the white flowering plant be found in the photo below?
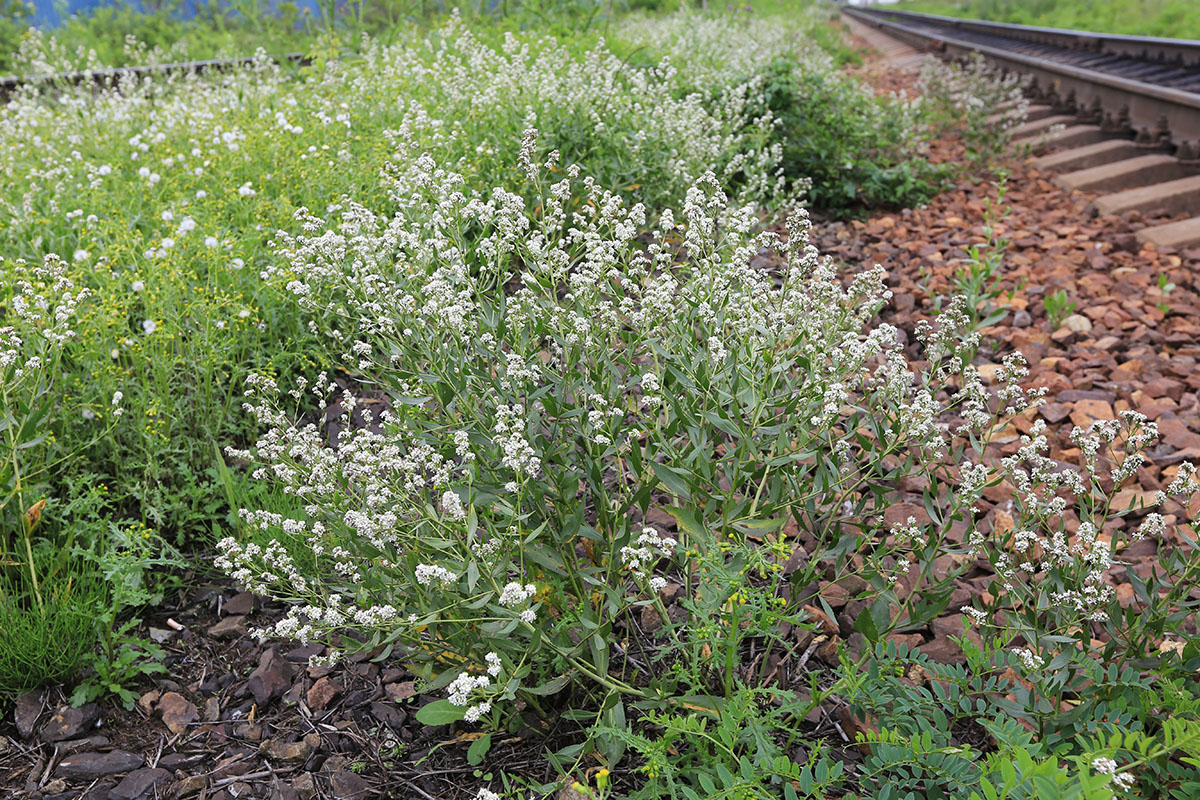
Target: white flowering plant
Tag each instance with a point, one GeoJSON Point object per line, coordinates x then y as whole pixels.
{"type": "Point", "coordinates": [39, 307]}
{"type": "Point", "coordinates": [977, 101]}
{"type": "Point", "coordinates": [1054, 602]}
{"type": "Point", "coordinates": [563, 389]}
{"type": "Point", "coordinates": [49, 595]}
{"type": "Point", "coordinates": [154, 190]}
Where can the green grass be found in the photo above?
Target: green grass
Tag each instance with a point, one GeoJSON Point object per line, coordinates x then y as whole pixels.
{"type": "Point", "coordinates": [47, 644]}
{"type": "Point", "coordinates": [1176, 19]}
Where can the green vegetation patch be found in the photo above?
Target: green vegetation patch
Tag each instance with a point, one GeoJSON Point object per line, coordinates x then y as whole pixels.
{"type": "Point", "coordinates": [1173, 19]}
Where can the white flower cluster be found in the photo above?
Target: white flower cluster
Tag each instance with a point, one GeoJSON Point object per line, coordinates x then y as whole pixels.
{"type": "Point", "coordinates": [1030, 660]}
{"type": "Point", "coordinates": [651, 546]}
{"type": "Point", "coordinates": [430, 574]}
{"type": "Point", "coordinates": [519, 455]}
{"type": "Point", "coordinates": [1107, 766]}
{"type": "Point", "coordinates": [452, 506]}
{"type": "Point", "coordinates": [465, 690]}
{"type": "Point", "coordinates": [520, 339]}
{"type": "Point", "coordinates": [259, 569]}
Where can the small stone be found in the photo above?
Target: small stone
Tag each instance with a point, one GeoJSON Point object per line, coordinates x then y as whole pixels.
{"type": "Point", "coordinates": [943, 651]}
{"type": "Point", "coordinates": [834, 594]}
{"type": "Point", "coordinates": [349, 786]}
{"type": "Point", "coordinates": [181, 760]}
{"type": "Point", "coordinates": [139, 783]}
{"type": "Point", "coordinates": [898, 514]}
{"type": "Point", "coordinates": [291, 751]}
{"type": "Point", "coordinates": [389, 714]}
{"type": "Point", "coordinates": [830, 650]}
{"type": "Point", "coordinates": [282, 791]}
{"type": "Point", "coordinates": [1022, 319]}
{"type": "Point", "coordinates": [146, 701]}
{"type": "Point", "coordinates": [910, 640]}
{"type": "Point", "coordinates": [1002, 522]}
{"type": "Point", "coordinates": [1055, 413]}
{"type": "Point", "coordinates": [94, 765]}
{"type": "Point", "coordinates": [27, 711]}
{"type": "Point", "coordinates": [1077, 323]}
{"type": "Point", "coordinates": [250, 731]}
{"type": "Point", "coordinates": [651, 621]}
{"type": "Point", "coordinates": [989, 373]}
{"type": "Point", "coordinates": [212, 709]}
{"type": "Point", "coordinates": [401, 691]}
{"type": "Point", "coordinates": [229, 628]}
{"type": "Point", "coordinates": [304, 785]}
{"type": "Point", "coordinates": [271, 678]}
{"type": "Point", "coordinates": [70, 723]}
{"type": "Point", "coordinates": [301, 655]}
{"type": "Point", "coordinates": [1135, 499]}
{"type": "Point", "coordinates": [1085, 412]}
{"type": "Point", "coordinates": [857, 727]}
{"type": "Point", "coordinates": [240, 604]}
{"type": "Point", "coordinates": [193, 784]}
{"type": "Point", "coordinates": [160, 635]}
{"type": "Point", "coordinates": [70, 746]}
{"type": "Point", "coordinates": [322, 693]}
{"type": "Point", "coordinates": [819, 618]}
{"type": "Point", "coordinates": [177, 712]}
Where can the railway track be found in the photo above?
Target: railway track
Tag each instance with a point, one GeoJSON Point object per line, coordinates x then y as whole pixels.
{"type": "Point", "coordinates": [1123, 112]}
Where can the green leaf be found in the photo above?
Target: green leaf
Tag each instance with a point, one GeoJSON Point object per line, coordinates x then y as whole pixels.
{"type": "Point", "coordinates": [689, 522]}
{"type": "Point", "coordinates": [440, 712]}
{"type": "Point", "coordinates": [866, 624]}
{"type": "Point", "coordinates": [478, 749]}
{"type": "Point", "coordinates": [674, 479]}
{"type": "Point", "coordinates": [759, 527]}
{"type": "Point", "coordinates": [551, 687]}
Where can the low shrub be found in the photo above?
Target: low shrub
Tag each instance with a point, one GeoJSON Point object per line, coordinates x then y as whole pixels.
{"type": "Point", "coordinates": [857, 149]}
{"type": "Point", "coordinates": [850, 148]}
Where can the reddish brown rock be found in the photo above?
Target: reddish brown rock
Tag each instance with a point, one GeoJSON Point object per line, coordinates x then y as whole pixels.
{"type": "Point", "coordinates": [1087, 411]}
{"type": "Point", "coordinates": [271, 678]}
{"type": "Point", "coordinates": [26, 711]}
{"type": "Point", "coordinates": [177, 712]}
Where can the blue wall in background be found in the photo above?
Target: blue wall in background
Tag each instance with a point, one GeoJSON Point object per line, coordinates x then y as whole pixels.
{"type": "Point", "coordinates": [47, 12]}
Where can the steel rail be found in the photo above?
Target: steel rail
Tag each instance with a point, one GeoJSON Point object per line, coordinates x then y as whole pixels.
{"type": "Point", "coordinates": [1162, 117]}
{"type": "Point", "coordinates": [107, 77]}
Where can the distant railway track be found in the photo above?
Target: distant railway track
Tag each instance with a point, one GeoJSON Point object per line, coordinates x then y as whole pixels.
{"type": "Point", "coordinates": [1138, 84]}
{"type": "Point", "coordinates": [109, 77]}
{"type": "Point", "coordinates": [1120, 113]}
